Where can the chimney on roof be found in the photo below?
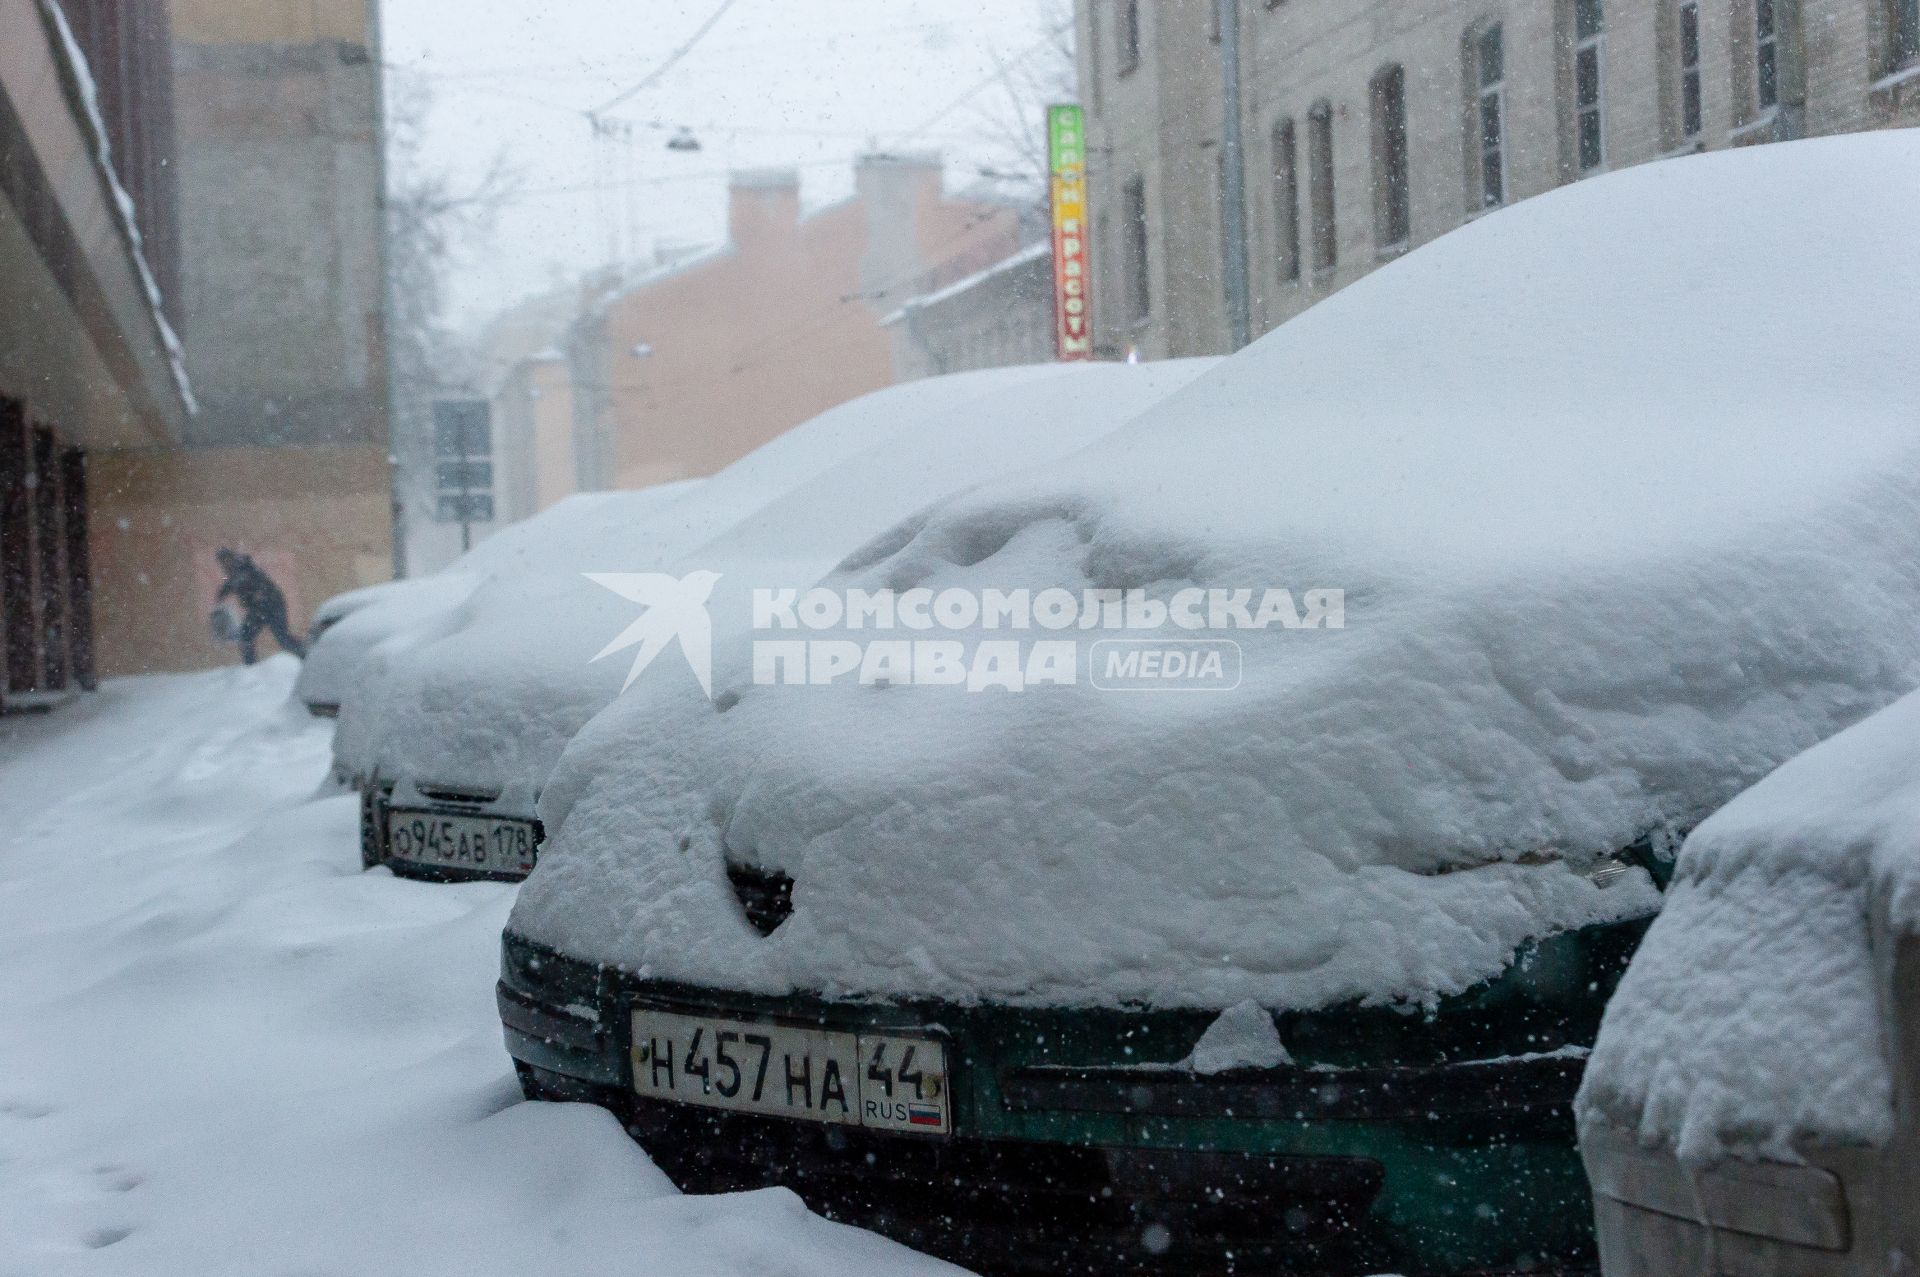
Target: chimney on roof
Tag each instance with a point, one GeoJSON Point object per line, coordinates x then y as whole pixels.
{"type": "Point", "coordinates": [896, 192]}
{"type": "Point", "coordinates": [762, 204]}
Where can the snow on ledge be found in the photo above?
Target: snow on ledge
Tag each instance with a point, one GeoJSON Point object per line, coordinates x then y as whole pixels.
{"type": "Point", "coordinates": [1031, 253]}
{"type": "Point", "coordinates": [122, 202]}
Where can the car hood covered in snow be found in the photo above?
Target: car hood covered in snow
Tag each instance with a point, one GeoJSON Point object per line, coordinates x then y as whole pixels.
{"type": "Point", "coordinates": [1618, 533]}
{"type": "Point", "coordinates": [1752, 1019]}
{"type": "Point", "coordinates": [493, 700]}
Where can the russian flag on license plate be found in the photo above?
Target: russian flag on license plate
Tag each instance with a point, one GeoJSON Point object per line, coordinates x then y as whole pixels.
{"type": "Point", "coordinates": [923, 1114]}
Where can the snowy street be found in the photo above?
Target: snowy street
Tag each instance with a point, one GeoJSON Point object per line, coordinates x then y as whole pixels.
{"type": "Point", "coordinates": [226, 1049]}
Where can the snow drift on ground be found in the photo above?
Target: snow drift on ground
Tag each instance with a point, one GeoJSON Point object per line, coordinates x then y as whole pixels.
{"type": "Point", "coordinates": [1751, 1020]}
{"type": "Point", "coordinates": [1623, 488]}
{"type": "Point", "coordinates": [224, 1050]}
{"type": "Point", "coordinates": [493, 700]}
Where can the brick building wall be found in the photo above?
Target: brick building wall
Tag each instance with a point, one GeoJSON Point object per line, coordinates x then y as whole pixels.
{"type": "Point", "coordinates": [1837, 66]}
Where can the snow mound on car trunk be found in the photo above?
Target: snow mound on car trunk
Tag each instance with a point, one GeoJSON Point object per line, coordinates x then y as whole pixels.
{"type": "Point", "coordinates": [1621, 486]}
{"type": "Point", "coordinates": [1750, 1019]}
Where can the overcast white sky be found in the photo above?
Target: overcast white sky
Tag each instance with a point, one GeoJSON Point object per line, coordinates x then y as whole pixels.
{"type": "Point", "coordinates": [803, 82]}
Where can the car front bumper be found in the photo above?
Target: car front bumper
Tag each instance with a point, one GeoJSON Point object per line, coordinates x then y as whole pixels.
{"type": "Point", "coordinates": [1392, 1147]}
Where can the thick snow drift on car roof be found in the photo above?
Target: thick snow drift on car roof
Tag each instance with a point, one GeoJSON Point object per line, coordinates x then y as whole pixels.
{"type": "Point", "coordinates": [495, 699]}
{"type": "Point", "coordinates": [1750, 1018]}
{"type": "Point", "coordinates": [1620, 485]}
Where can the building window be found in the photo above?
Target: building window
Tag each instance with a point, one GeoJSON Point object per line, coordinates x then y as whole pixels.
{"type": "Point", "coordinates": [1286, 201]}
{"type": "Point", "coordinates": [1326, 243]}
{"type": "Point", "coordinates": [1766, 55]}
{"type": "Point", "coordinates": [1691, 119]}
{"type": "Point", "coordinates": [1589, 120]}
{"type": "Point", "coordinates": [1903, 32]}
{"type": "Point", "coordinates": [1133, 199]}
{"type": "Point", "coordinates": [463, 461]}
{"type": "Point", "coordinates": [1489, 113]}
{"type": "Point", "coordinates": [1392, 201]}
{"type": "Point", "coordinates": [1127, 34]}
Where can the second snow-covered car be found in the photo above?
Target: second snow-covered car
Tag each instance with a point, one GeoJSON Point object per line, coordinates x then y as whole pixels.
{"type": "Point", "coordinates": [458, 735]}
{"type": "Point", "coordinates": [1408, 642]}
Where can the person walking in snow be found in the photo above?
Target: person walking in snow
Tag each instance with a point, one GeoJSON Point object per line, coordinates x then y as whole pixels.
{"type": "Point", "coordinates": [264, 606]}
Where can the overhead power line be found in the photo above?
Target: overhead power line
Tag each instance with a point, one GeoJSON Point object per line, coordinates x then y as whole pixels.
{"type": "Point", "coordinates": [647, 81]}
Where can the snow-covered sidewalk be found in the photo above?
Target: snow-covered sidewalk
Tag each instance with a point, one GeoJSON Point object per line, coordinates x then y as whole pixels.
{"type": "Point", "coordinates": [226, 1049]}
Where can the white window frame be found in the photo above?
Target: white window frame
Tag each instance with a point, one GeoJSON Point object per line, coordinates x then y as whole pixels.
{"type": "Point", "coordinates": [1691, 75]}
{"type": "Point", "coordinates": [1596, 44]}
{"type": "Point", "coordinates": [1492, 93]}
{"type": "Point", "coordinates": [1766, 46]}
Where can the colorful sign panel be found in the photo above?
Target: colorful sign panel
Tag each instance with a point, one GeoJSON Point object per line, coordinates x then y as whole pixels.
{"type": "Point", "coordinates": [1072, 275]}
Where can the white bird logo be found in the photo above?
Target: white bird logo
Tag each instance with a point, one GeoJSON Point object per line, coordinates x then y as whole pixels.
{"type": "Point", "coordinates": [676, 608]}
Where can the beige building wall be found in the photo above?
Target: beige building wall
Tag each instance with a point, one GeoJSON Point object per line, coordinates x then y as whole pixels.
{"type": "Point", "coordinates": [1161, 122]}
{"type": "Point", "coordinates": [533, 422]}
{"type": "Point", "coordinates": [314, 518]}
{"type": "Point", "coordinates": [683, 373]}
{"type": "Point", "coordinates": [271, 21]}
{"type": "Point", "coordinates": [283, 319]}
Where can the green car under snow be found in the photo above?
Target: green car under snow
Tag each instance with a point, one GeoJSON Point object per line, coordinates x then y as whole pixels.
{"type": "Point", "coordinates": [1298, 976]}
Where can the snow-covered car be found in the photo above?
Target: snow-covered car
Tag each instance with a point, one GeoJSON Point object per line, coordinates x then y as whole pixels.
{"type": "Point", "coordinates": [459, 734]}
{"type": "Point", "coordinates": [1519, 557]}
{"type": "Point", "coordinates": [349, 628]}
{"type": "Point", "coordinates": [1750, 1105]}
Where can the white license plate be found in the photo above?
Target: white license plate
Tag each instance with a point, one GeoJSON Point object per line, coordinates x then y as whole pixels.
{"type": "Point", "coordinates": [460, 842]}
{"type": "Point", "coordinates": [878, 1080]}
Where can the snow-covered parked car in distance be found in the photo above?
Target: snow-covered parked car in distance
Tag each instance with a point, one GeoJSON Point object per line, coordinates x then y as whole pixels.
{"type": "Point", "coordinates": [349, 628]}
{"type": "Point", "coordinates": [1753, 1102]}
{"type": "Point", "coordinates": [459, 734]}
{"type": "Point", "coordinates": [1297, 971]}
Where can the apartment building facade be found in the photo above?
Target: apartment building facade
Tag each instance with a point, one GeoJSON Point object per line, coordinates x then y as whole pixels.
{"type": "Point", "coordinates": [1373, 126]}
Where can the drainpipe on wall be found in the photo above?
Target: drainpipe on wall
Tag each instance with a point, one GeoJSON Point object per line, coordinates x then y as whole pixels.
{"type": "Point", "coordinates": [389, 392]}
{"type": "Point", "coordinates": [1233, 187]}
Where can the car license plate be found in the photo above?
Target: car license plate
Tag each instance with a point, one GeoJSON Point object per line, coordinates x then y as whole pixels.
{"type": "Point", "coordinates": [880, 1080]}
{"type": "Point", "coordinates": [460, 842]}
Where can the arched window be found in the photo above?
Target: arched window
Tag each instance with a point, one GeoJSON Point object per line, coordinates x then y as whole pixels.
{"type": "Point", "coordinates": [1326, 251]}
{"type": "Point", "coordinates": [1392, 200]}
{"type": "Point", "coordinates": [1286, 202]}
